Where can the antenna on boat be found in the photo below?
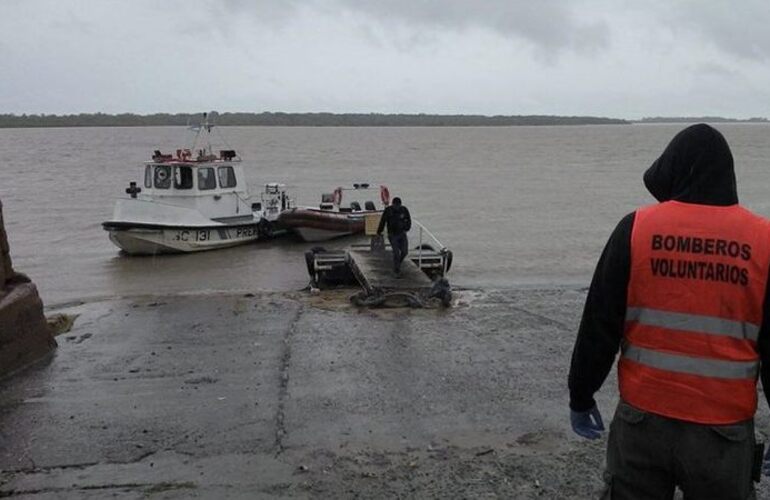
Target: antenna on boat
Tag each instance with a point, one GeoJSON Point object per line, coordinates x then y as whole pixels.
{"type": "Point", "coordinates": [203, 125]}
{"type": "Point", "coordinates": [207, 126]}
{"type": "Point", "coordinates": [224, 140]}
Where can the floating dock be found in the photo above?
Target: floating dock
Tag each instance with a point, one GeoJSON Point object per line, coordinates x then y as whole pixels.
{"type": "Point", "coordinates": [374, 268]}
{"type": "Point", "coordinates": [422, 273]}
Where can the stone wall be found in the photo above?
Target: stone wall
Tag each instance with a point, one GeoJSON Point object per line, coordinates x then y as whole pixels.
{"type": "Point", "coordinates": [24, 333]}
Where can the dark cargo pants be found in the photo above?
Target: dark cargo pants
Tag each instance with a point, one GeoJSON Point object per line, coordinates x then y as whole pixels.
{"type": "Point", "coordinates": [648, 455]}
{"type": "Point", "coordinates": [399, 244]}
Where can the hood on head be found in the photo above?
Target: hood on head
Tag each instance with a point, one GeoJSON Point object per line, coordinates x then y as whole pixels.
{"type": "Point", "coordinates": [695, 167]}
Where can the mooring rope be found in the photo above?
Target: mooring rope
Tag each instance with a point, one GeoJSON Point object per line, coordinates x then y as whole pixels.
{"type": "Point", "coordinates": [439, 295]}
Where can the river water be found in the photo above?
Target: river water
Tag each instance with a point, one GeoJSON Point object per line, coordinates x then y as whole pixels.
{"type": "Point", "coordinates": [519, 206]}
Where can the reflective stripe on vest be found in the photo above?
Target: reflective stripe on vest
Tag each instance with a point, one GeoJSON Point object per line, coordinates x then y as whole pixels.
{"type": "Point", "coordinates": [693, 323]}
{"type": "Point", "coordinates": [696, 290]}
{"type": "Point", "coordinates": [703, 367]}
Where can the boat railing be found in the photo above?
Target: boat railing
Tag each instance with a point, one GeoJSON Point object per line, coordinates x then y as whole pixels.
{"type": "Point", "coordinates": [426, 238]}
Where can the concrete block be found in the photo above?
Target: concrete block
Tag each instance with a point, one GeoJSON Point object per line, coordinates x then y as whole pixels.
{"type": "Point", "coordinates": [24, 333]}
{"type": "Point", "coordinates": [6, 269]}
{"type": "Point", "coordinates": [3, 235]}
{"type": "Point", "coordinates": [3, 239]}
{"type": "Point", "coordinates": [5, 263]}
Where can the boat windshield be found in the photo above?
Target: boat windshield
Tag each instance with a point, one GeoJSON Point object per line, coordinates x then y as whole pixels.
{"type": "Point", "coordinates": [183, 178]}
{"type": "Point", "coordinates": [162, 176]}
{"type": "Point", "coordinates": [226, 177]}
{"type": "Point", "coordinates": [206, 179]}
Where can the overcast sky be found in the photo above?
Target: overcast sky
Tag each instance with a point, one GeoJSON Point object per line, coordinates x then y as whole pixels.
{"type": "Point", "coordinates": [617, 58]}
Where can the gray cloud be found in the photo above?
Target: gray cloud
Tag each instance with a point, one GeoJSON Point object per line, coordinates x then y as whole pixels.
{"type": "Point", "coordinates": [738, 28]}
{"type": "Point", "coordinates": [746, 36]}
{"type": "Point", "coordinates": [550, 25]}
{"type": "Point", "coordinates": [608, 57]}
{"type": "Point", "coordinates": [269, 11]}
{"type": "Point", "coordinates": [712, 69]}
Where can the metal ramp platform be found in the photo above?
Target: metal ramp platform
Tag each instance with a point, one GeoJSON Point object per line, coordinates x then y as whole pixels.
{"type": "Point", "coordinates": [374, 271]}
{"type": "Point", "coordinates": [370, 265]}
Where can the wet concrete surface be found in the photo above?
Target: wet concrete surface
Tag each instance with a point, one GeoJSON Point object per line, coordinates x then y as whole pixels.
{"type": "Point", "coordinates": [274, 395]}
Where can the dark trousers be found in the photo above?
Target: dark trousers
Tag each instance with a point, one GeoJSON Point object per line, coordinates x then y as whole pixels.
{"type": "Point", "coordinates": [399, 243]}
{"type": "Point", "coordinates": [648, 456]}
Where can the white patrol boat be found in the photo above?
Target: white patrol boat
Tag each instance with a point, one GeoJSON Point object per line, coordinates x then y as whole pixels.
{"type": "Point", "coordinates": [191, 201]}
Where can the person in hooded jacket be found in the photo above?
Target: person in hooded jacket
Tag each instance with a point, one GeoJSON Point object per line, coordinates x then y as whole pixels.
{"type": "Point", "coordinates": [681, 291]}
{"type": "Point", "coordinates": [396, 216]}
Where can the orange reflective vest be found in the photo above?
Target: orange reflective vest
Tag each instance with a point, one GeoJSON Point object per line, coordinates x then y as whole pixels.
{"type": "Point", "coordinates": [694, 311]}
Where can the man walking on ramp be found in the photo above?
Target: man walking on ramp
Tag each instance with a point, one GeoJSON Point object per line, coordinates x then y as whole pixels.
{"type": "Point", "coordinates": [399, 222]}
{"type": "Point", "coordinates": [681, 291]}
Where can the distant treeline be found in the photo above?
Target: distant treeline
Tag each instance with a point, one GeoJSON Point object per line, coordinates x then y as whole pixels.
{"type": "Point", "coordinates": [295, 119]}
{"type": "Point", "coordinates": [700, 119]}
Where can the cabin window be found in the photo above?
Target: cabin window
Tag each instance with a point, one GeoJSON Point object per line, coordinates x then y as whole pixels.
{"type": "Point", "coordinates": [162, 176]}
{"type": "Point", "coordinates": [206, 178]}
{"type": "Point", "coordinates": [183, 178]}
{"type": "Point", "coordinates": [148, 176]}
{"type": "Point", "coordinates": [226, 177]}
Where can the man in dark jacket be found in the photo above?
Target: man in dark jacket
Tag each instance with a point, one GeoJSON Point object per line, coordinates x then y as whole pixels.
{"type": "Point", "coordinates": [681, 290]}
{"type": "Point", "coordinates": [398, 220]}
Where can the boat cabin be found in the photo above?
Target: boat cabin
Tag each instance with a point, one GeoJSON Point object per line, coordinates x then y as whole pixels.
{"type": "Point", "coordinates": [212, 185]}
{"type": "Point", "coordinates": [181, 175]}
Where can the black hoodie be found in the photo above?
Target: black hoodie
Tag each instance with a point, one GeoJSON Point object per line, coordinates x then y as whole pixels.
{"type": "Point", "coordinates": [696, 167]}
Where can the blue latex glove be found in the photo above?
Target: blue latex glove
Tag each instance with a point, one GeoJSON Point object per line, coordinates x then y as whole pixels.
{"type": "Point", "coordinates": [766, 464]}
{"type": "Point", "coordinates": [587, 423]}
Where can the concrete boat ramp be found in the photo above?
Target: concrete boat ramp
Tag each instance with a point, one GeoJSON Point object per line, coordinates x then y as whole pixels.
{"type": "Point", "coordinates": [293, 395]}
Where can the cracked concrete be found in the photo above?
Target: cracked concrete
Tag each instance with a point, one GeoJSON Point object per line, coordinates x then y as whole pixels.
{"type": "Point", "coordinates": [283, 383]}
{"type": "Point", "coordinates": [291, 395]}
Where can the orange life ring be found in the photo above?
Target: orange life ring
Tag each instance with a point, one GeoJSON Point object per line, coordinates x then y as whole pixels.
{"type": "Point", "coordinates": [337, 196]}
{"type": "Point", "coordinates": [384, 195]}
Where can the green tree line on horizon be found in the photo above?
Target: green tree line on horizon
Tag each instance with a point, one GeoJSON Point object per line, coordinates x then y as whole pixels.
{"type": "Point", "coordinates": [701, 119]}
{"type": "Point", "coordinates": [268, 119]}
{"type": "Point", "coordinates": [292, 119]}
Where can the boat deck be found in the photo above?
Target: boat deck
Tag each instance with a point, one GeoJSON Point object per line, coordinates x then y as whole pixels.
{"type": "Point", "coordinates": [374, 271]}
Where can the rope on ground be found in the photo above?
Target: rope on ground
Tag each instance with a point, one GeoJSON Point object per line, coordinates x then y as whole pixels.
{"type": "Point", "coordinates": [392, 299]}
{"type": "Point", "coordinates": [439, 295]}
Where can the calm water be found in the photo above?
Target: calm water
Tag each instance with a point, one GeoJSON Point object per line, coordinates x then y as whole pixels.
{"type": "Point", "coordinates": [519, 206]}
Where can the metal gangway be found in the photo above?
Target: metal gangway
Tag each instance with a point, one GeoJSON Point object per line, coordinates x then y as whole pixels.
{"type": "Point", "coordinates": [370, 263]}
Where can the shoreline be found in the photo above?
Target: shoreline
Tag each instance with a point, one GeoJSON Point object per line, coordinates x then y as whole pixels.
{"type": "Point", "coordinates": [234, 292]}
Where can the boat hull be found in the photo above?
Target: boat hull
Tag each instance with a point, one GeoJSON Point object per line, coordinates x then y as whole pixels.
{"type": "Point", "coordinates": [311, 234]}
{"type": "Point", "coordinates": [321, 225]}
{"type": "Point", "coordinates": [146, 239]}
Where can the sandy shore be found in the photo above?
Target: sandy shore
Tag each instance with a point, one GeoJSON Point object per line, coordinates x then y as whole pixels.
{"type": "Point", "coordinates": [294, 395]}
